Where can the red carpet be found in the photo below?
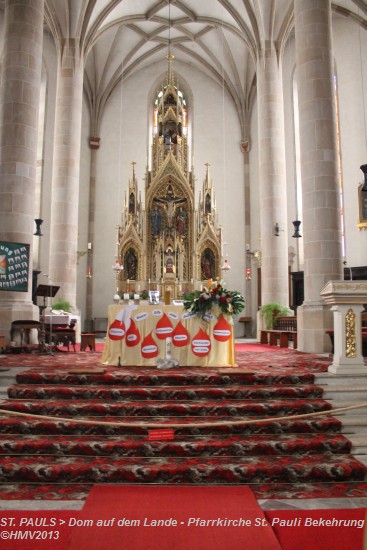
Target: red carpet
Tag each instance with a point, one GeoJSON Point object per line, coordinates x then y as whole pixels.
{"type": "Point", "coordinates": [319, 529]}
{"type": "Point", "coordinates": [294, 529]}
{"type": "Point", "coordinates": [39, 530]}
{"type": "Point", "coordinates": [197, 518]}
{"type": "Point", "coordinates": [259, 348]}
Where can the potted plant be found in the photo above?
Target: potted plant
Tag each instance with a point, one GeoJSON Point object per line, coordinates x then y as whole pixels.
{"type": "Point", "coordinates": [62, 304]}
{"type": "Point", "coordinates": [271, 312]}
{"type": "Point", "coordinates": [144, 295]}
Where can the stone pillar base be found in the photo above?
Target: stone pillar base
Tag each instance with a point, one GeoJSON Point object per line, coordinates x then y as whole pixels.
{"type": "Point", "coordinates": [313, 319]}
{"type": "Point", "coordinates": [347, 299]}
{"type": "Point", "coordinates": [346, 369]}
{"type": "Point", "coordinates": [348, 357]}
{"type": "Point", "coordinates": [16, 311]}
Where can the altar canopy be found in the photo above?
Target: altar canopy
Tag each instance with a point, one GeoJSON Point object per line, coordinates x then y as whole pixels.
{"type": "Point", "coordinates": [137, 336]}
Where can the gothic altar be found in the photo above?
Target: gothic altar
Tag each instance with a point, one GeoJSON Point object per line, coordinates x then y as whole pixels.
{"type": "Point", "coordinates": [165, 242]}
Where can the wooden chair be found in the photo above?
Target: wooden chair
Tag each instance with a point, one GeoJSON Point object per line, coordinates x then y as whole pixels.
{"type": "Point", "coordinates": [23, 328]}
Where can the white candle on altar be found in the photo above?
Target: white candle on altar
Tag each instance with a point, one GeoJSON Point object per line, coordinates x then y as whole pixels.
{"type": "Point", "coordinates": [169, 348]}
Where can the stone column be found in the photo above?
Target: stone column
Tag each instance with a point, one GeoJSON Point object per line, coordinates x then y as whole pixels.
{"type": "Point", "coordinates": [19, 106]}
{"type": "Point", "coordinates": [319, 168]}
{"type": "Point", "coordinates": [273, 194]}
{"type": "Point", "coordinates": [66, 168]}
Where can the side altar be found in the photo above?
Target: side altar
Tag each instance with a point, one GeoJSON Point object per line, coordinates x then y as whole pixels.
{"type": "Point", "coordinates": [138, 335]}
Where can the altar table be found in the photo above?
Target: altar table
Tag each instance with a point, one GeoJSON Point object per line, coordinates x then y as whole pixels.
{"type": "Point", "coordinates": [137, 336]}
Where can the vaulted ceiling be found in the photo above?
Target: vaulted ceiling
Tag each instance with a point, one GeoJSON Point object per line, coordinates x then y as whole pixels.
{"type": "Point", "coordinates": [221, 38]}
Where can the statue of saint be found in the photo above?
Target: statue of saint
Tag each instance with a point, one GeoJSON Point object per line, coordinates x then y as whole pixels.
{"type": "Point", "coordinates": [207, 265]}
{"type": "Point", "coordinates": [181, 222]}
{"type": "Point", "coordinates": [156, 220]}
{"type": "Point", "coordinates": [169, 265]}
{"type": "Point", "coordinates": [132, 204]}
{"type": "Point", "coordinates": [131, 265]}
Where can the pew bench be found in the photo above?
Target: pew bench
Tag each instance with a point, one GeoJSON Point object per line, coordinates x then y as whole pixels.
{"type": "Point", "coordinates": [284, 330]}
{"type": "Point", "coordinates": [21, 333]}
{"type": "Point", "coordinates": [284, 336]}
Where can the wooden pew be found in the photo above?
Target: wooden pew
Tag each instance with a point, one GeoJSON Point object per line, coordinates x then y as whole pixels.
{"type": "Point", "coordinates": [284, 330]}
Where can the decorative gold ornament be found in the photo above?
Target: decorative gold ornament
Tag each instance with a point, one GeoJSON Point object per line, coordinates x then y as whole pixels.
{"type": "Point", "coordinates": [350, 334]}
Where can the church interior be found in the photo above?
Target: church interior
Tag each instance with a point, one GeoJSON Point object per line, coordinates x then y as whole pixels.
{"type": "Point", "coordinates": [155, 150]}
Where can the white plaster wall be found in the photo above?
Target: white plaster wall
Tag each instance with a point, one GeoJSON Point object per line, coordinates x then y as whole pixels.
{"type": "Point", "coordinates": [350, 49]}
{"type": "Point", "coordinates": [216, 139]}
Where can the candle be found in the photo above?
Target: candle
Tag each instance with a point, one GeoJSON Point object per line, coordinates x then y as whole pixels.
{"type": "Point", "coordinates": [138, 288]}
{"type": "Point", "coordinates": [169, 348]}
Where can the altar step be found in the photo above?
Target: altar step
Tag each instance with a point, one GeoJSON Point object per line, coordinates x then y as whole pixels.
{"type": "Point", "coordinates": [176, 393]}
{"type": "Point", "coordinates": [151, 377]}
{"type": "Point", "coordinates": [218, 470]}
{"type": "Point", "coordinates": [152, 408]}
{"type": "Point", "coordinates": [187, 426]}
{"type": "Point", "coordinates": [181, 446]}
{"type": "Point", "coordinates": [228, 426]}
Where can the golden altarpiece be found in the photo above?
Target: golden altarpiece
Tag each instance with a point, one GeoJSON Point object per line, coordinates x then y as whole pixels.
{"type": "Point", "coordinates": [167, 244]}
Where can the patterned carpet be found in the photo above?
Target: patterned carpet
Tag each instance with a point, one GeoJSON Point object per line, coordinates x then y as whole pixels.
{"type": "Point", "coordinates": [229, 426]}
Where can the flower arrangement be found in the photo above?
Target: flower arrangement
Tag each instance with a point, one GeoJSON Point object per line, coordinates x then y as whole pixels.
{"type": "Point", "coordinates": [229, 302]}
